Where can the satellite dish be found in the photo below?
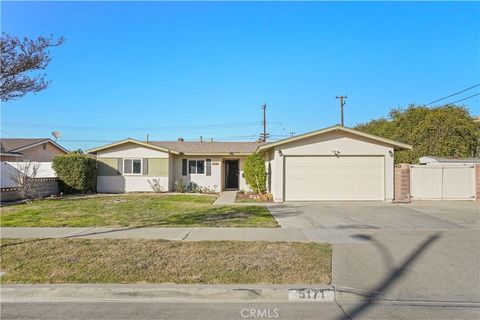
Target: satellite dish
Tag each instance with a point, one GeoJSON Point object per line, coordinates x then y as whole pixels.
{"type": "Point", "coordinates": [56, 134]}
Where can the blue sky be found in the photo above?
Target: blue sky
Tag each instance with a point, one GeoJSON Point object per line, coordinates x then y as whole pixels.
{"type": "Point", "coordinates": [173, 69]}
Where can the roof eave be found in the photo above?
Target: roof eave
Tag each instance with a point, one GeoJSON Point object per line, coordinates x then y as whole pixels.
{"type": "Point", "coordinates": [395, 144]}
{"type": "Point", "coordinates": [39, 143]}
{"type": "Point", "coordinates": [216, 153]}
{"type": "Point", "coordinates": [11, 154]}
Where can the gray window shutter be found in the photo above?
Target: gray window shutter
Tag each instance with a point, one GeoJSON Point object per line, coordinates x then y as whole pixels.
{"type": "Point", "coordinates": [184, 167]}
{"type": "Point", "coordinates": [209, 167]}
{"type": "Point", "coordinates": [120, 166]}
{"type": "Point", "coordinates": [145, 166]}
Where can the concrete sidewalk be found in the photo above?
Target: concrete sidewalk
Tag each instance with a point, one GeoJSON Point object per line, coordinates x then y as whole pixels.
{"type": "Point", "coordinates": [334, 236]}
{"type": "Point", "coordinates": [226, 198]}
{"type": "Point", "coordinates": [188, 234]}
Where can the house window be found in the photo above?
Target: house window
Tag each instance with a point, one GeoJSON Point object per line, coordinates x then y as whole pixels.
{"type": "Point", "coordinates": [132, 166]}
{"type": "Point", "coordinates": [44, 146]}
{"type": "Point", "coordinates": [196, 166]}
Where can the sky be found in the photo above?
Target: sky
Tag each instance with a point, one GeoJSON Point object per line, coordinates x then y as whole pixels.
{"type": "Point", "coordinates": [191, 69]}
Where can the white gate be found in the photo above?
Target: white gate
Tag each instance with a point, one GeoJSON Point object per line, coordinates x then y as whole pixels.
{"type": "Point", "coordinates": [442, 182]}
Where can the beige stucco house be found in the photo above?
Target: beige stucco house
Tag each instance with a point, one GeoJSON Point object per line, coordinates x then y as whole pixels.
{"type": "Point", "coordinates": [30, 149]}
{"type": "Point", "coordinates": [335, 163]}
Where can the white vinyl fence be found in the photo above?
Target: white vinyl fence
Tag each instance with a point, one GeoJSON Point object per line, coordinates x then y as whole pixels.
{"type": "Point", "coordinates": [442, 182]}
{"type": "Point", "coordinates": [9, 168]}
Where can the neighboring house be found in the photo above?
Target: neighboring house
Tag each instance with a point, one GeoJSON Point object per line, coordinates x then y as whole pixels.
{"type": "Point", "coordinates": [26, 149]}
{"type": "Point", "coordinates": [336, 163]}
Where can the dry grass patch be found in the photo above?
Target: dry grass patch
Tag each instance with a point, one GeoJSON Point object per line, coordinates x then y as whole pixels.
{"type": "Point", "coordinates": [159, 261]}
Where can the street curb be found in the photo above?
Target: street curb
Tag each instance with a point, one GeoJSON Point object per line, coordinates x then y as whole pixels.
{"type": "Point", "coordinates": [153, 292]}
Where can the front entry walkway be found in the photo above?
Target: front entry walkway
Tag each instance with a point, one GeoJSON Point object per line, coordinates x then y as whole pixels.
{"type": "Point", "coordinates": [226, 198]}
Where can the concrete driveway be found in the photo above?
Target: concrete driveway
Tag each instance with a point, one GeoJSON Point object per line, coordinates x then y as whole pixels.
{"type": "Point", "coordinates": [422, 252]}
{"type": "Point", "coordinates": [378, 215]}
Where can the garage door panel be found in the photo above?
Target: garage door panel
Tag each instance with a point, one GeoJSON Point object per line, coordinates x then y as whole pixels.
{"type": "Point", "coordinates": [297, 187]}
{"type": "Point", "coordinates": [334, 178]}
{"type": "Point", "coordinates": [320, 183]}
{"type": "Point", "coordinates": [320, 161]}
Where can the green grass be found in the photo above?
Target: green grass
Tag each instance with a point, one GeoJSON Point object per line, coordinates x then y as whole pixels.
{"type": "Point", "coordinates": [136, 210]}
{"type": "Point", "coordinates": [159, 261]}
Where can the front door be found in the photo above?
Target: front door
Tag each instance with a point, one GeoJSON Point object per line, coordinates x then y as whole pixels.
{"type": "Point", "coordinates": [231, 174]}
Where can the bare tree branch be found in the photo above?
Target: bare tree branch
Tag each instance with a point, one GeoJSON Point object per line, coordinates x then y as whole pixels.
{"type": "Point", "coordinates": [21, 57]}
{"type": "Point", "coordinates": [24, 176]}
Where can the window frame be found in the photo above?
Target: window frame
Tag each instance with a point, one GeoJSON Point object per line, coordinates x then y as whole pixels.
{"type": "Point", "coordinates": [196, 166]}
{"type": "Point", "coordinates": [132, 173]}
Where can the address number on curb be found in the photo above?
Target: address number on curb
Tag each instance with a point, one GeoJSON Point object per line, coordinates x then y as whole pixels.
{"type": "Point", "coordinates": [311, 294]}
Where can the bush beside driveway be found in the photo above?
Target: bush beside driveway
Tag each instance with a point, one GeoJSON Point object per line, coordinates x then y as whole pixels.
{"type": "Point", "coordinates": [135, 210]}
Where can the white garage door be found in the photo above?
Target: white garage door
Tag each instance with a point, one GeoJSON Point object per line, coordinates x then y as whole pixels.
{"type": "Point", "coordinates": [316, 178]}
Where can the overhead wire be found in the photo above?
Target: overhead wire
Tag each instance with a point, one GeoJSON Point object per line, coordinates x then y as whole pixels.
{"type": "Point", "coordinates": [454, 94]}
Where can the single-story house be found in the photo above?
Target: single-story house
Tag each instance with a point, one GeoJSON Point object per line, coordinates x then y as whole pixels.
{"type": "Point", "coordinates": [335, 163]}
{"type": "Point", "coordinates": [30, 149]}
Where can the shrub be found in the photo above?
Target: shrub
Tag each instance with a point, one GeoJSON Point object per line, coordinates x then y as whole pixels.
{"type": "Point", "coordinates": [255, 173]}
{"type": "Point", "coordinates": [179, 186]}
{"type": "Point", "coordinates": [156, 185]}
{"type": "Point", "coordinates": [76, 173]}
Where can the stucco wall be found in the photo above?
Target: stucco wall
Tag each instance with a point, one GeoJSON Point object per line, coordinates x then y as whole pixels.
{"type": "Point", "coordinates": [121, 184]}
{"type": "Point", "coordinates": [38, 154]}
{"type": "Point", "coordinates": [131, 150]}
{"type": "Point", "coordinates": [345, 143]}
{"type": "Point", "coordinates": [130, 183]}
{"type": "Point", "coordinates": [216, 181]}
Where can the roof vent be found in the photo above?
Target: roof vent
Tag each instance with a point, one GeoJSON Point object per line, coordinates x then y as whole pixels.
{"type": "Point", "coordinates": [180, 140]}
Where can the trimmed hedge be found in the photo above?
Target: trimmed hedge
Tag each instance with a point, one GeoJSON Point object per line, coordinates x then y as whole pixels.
{"type": "Point", "coordinates": [255, 173]}
{"type": "Point", "coordinates": [76, 173]}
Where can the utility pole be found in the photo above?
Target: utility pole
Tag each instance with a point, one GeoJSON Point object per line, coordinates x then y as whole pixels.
{"type": "Point", "coordinates": [342, 103]}
{"type": "Point", "coordinates": [264, 135]}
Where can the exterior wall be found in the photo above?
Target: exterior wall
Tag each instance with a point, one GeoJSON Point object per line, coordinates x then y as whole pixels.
{"type": "Point", "coordinates": [477, 182]}
{"type": "Point", "coordinates": [323, 145]}
{"type": "Point", "coordinates": [131, 183]}
{"type": "Point", "coordinates": [45, 187]}
{"type": "Point", "coordinates": [402, 182]}
{"type": "Point", "coordinates": [131, 150]}
{"type": "Point", "coordinates": [216, 181]}
{"type": "Point", "coordinates": [122, 184]}
{"type": "Point", "coordinates": [38, 154]}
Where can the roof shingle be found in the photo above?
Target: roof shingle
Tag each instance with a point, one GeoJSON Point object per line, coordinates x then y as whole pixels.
{"type": "Point", "coordinates": [208, 147]}
{"type": "Point", "coordinates": [11, 144]}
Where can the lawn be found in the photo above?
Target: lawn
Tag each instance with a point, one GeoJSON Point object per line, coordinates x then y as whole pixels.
{"type": "Point", "coordinates": [160, 261]}
{"type": "Point", "coordinates": [134, 210]}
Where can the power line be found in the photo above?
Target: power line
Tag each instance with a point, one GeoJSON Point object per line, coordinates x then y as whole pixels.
{"type": "Point", "coordinates": [474, 95]}
{"type": "Point", "coordinates": [454, 94]}
{"type": "Point", "coordinates": [143, 129]}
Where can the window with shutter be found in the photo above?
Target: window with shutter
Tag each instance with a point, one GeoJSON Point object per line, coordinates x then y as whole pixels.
{"type": "Point", "coordinates": [184, 167]}
{"type": "Point", "coordinates": [209, 167]}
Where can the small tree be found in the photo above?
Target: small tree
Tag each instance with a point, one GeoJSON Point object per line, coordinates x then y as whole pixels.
{"type": "Point", "coordinates": [255, 173]}
{"type": "Point", "coordinates": [76, 173]}
{"type": "Point", "coordinates": [24, 177]}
